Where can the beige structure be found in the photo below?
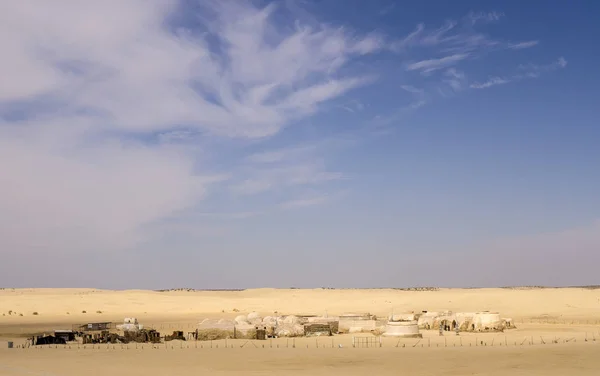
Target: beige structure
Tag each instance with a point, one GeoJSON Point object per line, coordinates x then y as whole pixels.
{"type": "Point", "coordinates": [430, 320]}
{"type": "Point", "coordinates": [484, 321]}
{"type": "Point", "coordinates": [487, 321]}
{"type": "Point", "coordinates": [130, 324]}
{"type": "Point", "coordinates": [357, 322]}
{"type": "Point", "coordinates": [509, 323]}
{"type": "Point", "coordinates": [404, 317]}
{"type": "Point", "coordinates": [402, 329]}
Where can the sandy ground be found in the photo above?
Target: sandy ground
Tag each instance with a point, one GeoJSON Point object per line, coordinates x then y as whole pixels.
{"type": "Point", "coordinates": [558, 333]}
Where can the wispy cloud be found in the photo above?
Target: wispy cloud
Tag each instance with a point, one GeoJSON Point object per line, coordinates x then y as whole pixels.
{"type": "Point", "coordinates": [112, 127]}
{"type": "Point", "coordinates": [279, 177]}
{"type": "Point", "coordinates": [455, 79]}
{"type": "Point", "coordinates": [430, 65]}
{"type": "Point", "coordinates": [368, 44]}
{"type": "Point", "coordinates": [528, 71]}
{"type": "Point", "coordinates": [97, 91]}
{"type": "Point", "coordinates": [475, 17]}
{"type": "Point", "coordinates": [284, 169]}
{"type": "Point", "coordinates": [452, 37]}
{"type": "Point", "coordinates": [353, 106]}
{"type": "Point", "coordinates": [449, 46]}
{"type": "Point", "coordinates": [489, 83]}
{"type": "Point", "coordinates": [560, 63]}
{"type": "Point", "coordinates": [523, 45]}
{"type": "Point", "coordinates": [454, 41]}
{"type": "Point", "coordinates": [412, 89]}
{"type": "Point", "coordinates": [411, 40]}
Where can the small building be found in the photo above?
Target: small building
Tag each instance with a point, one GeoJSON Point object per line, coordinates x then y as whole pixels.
{"type": "Point", "coordinates": [318, 329]}
{"type": "Point", "coordinates": [94, 326]}
{"type": "Point", "coordinates": [487, 321]}
{"type": "Point", "coordinates": [357, 322]}
{"type": "Point", "coordinates": [66, 335]}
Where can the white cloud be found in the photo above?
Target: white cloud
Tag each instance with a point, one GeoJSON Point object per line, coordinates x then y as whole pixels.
{"type": "Point", "coordinates": [430, 65]}
{"type": "Point", "coordinates": [561, 62]}
{"type": "Point", "coordinates": [523, 45]}
{"type": "Point", "coordinates": [489, 83]}
{"type": "Point", "coordinates": [410, 40]}
{"type": "Point", "coordinates": [93, 199]}
{"type": "Point", "coordinates": [455, 79]}
{"type": "Point", "coordinates": [305, 101]}
{"type": "Point", "coordinates": [83, 80]}
{"type": "Point", "coordinates": [529, 71]}
{"type": "Point", "coordinates": [412, 89]}
{"type": "Point", "coordinates": [451, 38]}
{"type": "Point", "coordinates": [353, 106]}
{"type": "Point", "coordinates": [369, 44]}
{"type": "Point", "coordinates": [455, 41]}
{"type": "Point", "coordinates": [475, 17]}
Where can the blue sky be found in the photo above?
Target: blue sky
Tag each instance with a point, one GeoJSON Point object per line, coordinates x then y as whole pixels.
{"type": "Point", "coordinates": [231, 144]}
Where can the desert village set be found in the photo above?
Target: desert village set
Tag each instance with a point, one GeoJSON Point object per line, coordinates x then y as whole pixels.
{"type": "Point", "coordinates": [253, 326]}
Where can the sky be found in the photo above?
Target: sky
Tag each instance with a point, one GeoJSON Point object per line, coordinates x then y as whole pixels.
{"type": "Point", "coordinates": [309, 143]}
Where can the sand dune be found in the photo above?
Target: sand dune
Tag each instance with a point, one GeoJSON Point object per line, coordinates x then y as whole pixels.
{"type": "Point", "coordinates": [53, 304]}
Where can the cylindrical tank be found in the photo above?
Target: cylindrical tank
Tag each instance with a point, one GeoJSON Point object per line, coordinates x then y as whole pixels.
{"type": "Point", "coordinates": [406, 329]}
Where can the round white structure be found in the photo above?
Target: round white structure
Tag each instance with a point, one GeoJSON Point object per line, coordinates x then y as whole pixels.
{"type": "Point", "coordinates": [404, 329]}
{"type": "Point", "coordinates": [252, 316]}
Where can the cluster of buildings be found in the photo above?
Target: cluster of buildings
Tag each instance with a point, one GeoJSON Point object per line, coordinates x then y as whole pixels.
{"type": "Point", "coordinates": [407, 325]}
{"type": "Point", "coordinates": [483, 321]}
{"type": "Point", "coordinates": [254, 326]}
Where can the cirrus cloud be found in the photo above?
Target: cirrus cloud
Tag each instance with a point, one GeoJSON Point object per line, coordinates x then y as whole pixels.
{"type": "Point", "coordinates": [88, 86]}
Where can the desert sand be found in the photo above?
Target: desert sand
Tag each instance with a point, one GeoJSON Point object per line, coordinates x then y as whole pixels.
{"type": "Point", "coordinates": [558, 333]}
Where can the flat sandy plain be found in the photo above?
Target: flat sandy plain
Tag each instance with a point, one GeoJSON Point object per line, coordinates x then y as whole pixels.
{"type": "Point", "coordinates": [558, 333]}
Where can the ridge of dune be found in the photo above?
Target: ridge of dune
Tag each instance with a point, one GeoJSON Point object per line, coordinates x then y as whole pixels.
{"type": "Point", "coordinates": [63, 304]}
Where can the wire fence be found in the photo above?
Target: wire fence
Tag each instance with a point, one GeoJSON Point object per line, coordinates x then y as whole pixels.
{"type": "Point", "coordinates": [553, 321]}
{"type": "Point", "coordinates": [539, 321]}
{"type": "Point", "coordinates": [344, 341]}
